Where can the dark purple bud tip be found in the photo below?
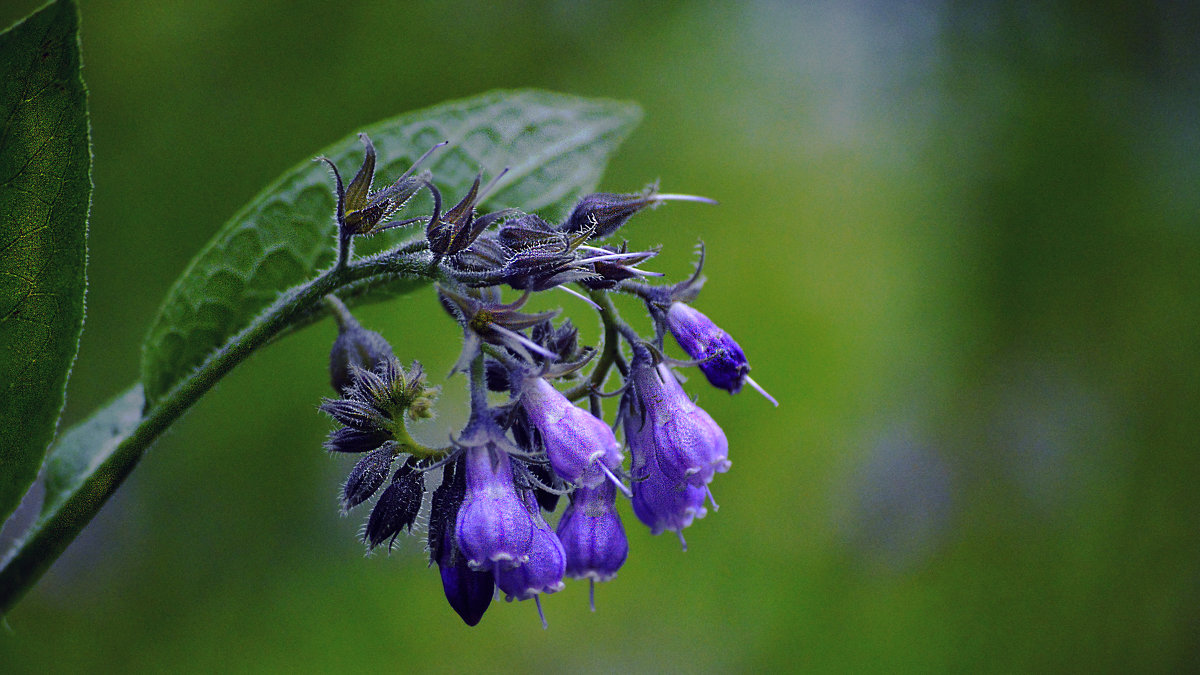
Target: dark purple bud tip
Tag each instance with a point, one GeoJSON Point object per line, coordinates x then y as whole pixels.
{"type": "Point", "coordinates": [366, 477]}
{"type": "Point", "coordinates": [721, 359]}
{"type": "Point", "coordinates": [469, 592]}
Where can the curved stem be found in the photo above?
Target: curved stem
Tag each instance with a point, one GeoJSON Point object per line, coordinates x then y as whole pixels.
{"type": "Point", "coordinates": [54, 531]}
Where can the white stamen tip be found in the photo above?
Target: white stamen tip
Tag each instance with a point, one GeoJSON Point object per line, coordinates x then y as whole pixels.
{"type": "Point", "coordinates": [750, 381]}
{"type": "Point", "coordinates": [682, 541]}
{"type": "Point", "coordinates": [582, 297]}
{"type": "Point", "coordinates": [684, 198]}
{"type": "Point", "coordinates": [712, 500]}
{"type": "Point", "coordinates": [616, 481]}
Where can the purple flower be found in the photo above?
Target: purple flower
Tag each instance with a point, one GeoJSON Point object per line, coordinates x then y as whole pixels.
{"type": "Point", "coordinates": [492, 524]}
{"type": "Point", "coordinates": [543, 571]}
{"type": "Point", "coordinates": [721, 359]}
{"type": "Point", "coordinates": [468, 591]}
{"type": "Point", "coordinates": [660, 502]}
{"type": "Point", "coordinates": [685, 442]}
{"type": "Point", "coordinates": [592, 535]}
{"type": "Point", "coordinates": [573, 437]}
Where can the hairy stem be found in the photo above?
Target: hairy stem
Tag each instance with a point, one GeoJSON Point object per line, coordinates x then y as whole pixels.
{"type": "Point", "coordinates": [50, 535]}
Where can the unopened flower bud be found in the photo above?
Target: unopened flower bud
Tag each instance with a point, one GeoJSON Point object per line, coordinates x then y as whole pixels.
{"type": "Point", "coordinates": [366, 476]}
{"type": "Point", "coordinates": [397, 507]}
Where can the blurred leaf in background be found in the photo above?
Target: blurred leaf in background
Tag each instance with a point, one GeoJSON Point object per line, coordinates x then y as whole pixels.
{"type": "Point", "coordinates": [957, 241]}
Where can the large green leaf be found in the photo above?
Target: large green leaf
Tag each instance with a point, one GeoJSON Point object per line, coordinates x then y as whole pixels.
{"type": "Point", "coordinates": [555, 146]}
{"type": "Point", "coordinates": [45, 193]}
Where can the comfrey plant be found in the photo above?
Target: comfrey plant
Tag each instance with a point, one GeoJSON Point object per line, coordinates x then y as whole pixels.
{"type": "Point", "coordinates": [514, 459]}
{"type": "Point", "coordinates": [536, 430]}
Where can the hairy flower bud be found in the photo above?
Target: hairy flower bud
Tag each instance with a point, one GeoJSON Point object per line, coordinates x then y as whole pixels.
{"type": "Point", "coordinates": [574, 439]}
{"type": "Point", "coordinates": [397, 507]}
{"type": "Point", "coordinates": [493, 525]}
{"type": "Point", "coordinates": [366, 476]}
{"type": "Point", "coordinates": [592, 535]}
{"type": "Point", "coordinates": [684, 440]}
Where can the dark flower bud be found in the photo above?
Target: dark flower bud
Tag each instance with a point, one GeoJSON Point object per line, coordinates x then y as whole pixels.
{"type": "Point", "coordinates": [397, 507]}
{"type": "Point", "coordinates": [455, 230]}
{"type": "Point", "coordinates": [355, 347]}
{"type": "Point", "coordinates": [366, 476]}
{"type": "Point", "coordinates": [606, 212]}
{"type": "Point", "coordinates": [468, 591]}
{"type": "Point", "coordinates": [359, 211]}
{"type": "Point", "coordinates": [350, 440]}
{"type": "Point", "coordinates": [443, 512]}
{"type": "Point", "coordinates": [496, 376]}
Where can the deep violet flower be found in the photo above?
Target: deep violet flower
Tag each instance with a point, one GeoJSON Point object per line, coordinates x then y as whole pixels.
{"type": "Point", "coordinates": [492, 526]}
{"type": "Point", "coordinates": [592, 535]}
{"type": "Point", "coordinates": [721, 358]}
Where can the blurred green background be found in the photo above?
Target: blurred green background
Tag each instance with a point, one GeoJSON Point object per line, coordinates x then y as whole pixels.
{"type": "Point", "coordinates": [958, 241]}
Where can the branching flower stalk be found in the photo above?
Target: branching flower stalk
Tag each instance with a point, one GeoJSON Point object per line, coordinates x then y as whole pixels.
{"type": "Point", "coordinates": [513, 461]}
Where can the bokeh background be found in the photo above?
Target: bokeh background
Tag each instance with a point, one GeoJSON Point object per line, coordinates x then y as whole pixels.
{"type": "Point", "coordinates": [958, 241]}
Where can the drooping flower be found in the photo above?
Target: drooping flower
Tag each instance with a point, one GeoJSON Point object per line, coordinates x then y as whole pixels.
{"type": "Point", "coordinates": [468, 591]}
{"type": "Point", "coordinates": [543, 571]}
{"type": "Point", "coordinates": [592, 535]}
{"type": "Point", "coordinates": [492, 526]}
{"type": "Point", "coordinates": [685, 442]}
{"type": "Point", "coordinates": [721, 359]}
{"type": "Point", "coordinates": [575, 440]}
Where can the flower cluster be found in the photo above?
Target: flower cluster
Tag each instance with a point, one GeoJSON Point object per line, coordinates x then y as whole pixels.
{"type": "Point", "coordinates": [529, 441]}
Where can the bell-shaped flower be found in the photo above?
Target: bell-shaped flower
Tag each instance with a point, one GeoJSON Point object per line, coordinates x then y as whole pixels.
{"type": "Point", "coordinates": [592, 535]}
{"type": "Point", "coordinates": [685, 442]}
{"type": "Point", "coordinates": [574, 439]}
{"type": "Point", "coordinates": [660, 502]}
{"type": "Point", "coordinates": [543, 571]}
{"type": "Point", "coordinates": [492, 525]}
{"type": "Point", "coordinates": [468, 591]}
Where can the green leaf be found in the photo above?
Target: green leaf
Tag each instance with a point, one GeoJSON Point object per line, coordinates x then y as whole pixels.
{"type": "Point", "coordinates": [45, 193]}
{"type": "Point", "coordinates": [555, 146]}
{"type": "Point", "coordinates": [82, 450]}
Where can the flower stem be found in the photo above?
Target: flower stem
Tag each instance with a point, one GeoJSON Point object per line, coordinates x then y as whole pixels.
{"type": "Point", "coordinates": [53, 532]}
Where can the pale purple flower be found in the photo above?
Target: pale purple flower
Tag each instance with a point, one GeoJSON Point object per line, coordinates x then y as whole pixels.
{"type": "Point", "coordinates": [492, 526]}
{"type": "Point", "coordinates": [592, 535]}
{"type": "Point", "coordinates": [575, 440]}
{"type": "Point", "coordinates": [686, 442]}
